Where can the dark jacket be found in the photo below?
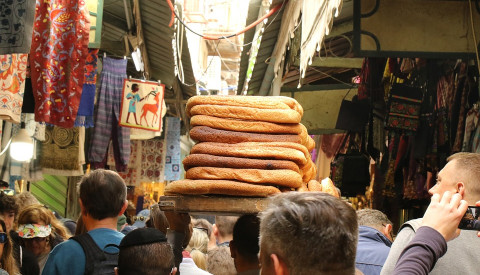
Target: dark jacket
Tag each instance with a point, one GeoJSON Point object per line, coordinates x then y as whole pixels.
{"type": "Point", "coordinates": [372, 250]}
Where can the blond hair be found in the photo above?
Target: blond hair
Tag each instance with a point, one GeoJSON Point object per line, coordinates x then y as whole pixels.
{"type": "Point", "coordinates": [36, 214]}
{"type": "Point", "coordinates": [469, 164]}
{"type": "Point", "coordinates": [7, 260]}
{"type": "Point", "coordinates": [198, 248]}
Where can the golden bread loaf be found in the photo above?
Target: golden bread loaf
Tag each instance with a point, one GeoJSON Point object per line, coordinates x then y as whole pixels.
{"type": "Point", "coordinates": [220, 187]}
{"type": "Point", "coordinates": [303, 188]}
{"type": "Point", "coordinates": [250, 150]}
{"type": "Point", "coordinates": [205, 133]}
{"type": "Point", "coordinates": [286, 178]}
{"type": "Point", "coordinates": [260, 102]}
{"type": "Point", "coordinates": [198, 160]}
{"type": "Point", "coordinates": [329, 187]}
{"type": "Point", "coordinates": [314, 185]}
{"type": "Point", "coordinates": [239, 125]}
{"type": "Point", "coordinates": [247, 113]}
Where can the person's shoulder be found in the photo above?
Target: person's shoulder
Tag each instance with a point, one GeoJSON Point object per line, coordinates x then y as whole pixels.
{"type": "Point", "coordinates": [104, 236]}
{"type": "Point", "coordinates": [68, 246]}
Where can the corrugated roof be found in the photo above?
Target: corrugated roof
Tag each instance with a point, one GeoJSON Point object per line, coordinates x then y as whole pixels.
{"type": "Point", "coordinates": [267, 44]}
{"type": "Point", "coordinates": [158, 37]}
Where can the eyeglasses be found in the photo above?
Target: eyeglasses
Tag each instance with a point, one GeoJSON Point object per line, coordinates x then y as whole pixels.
{"type": "Point", "coordinates": [139, 218]}
{"type": "Point", "coordinates": [3, 237]}
{"type": "Point", "coordinates": [36, 239]}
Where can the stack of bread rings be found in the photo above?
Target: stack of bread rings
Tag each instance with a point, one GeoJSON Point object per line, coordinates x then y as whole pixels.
{"type": "Point", "coordinates": [247, 146]}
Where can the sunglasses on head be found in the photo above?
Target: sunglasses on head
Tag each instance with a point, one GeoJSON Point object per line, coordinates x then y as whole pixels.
{"type": "Point", "coordinates": [139, 218]}
{"type": "Point", "coordinates": [3, 237]}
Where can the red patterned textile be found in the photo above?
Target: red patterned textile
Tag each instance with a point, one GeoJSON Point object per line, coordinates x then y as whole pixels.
{"type": "Point", "coordinates": [58, 54]}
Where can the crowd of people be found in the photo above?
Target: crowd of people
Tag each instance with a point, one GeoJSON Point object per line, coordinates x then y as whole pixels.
{"type": "Point", "coordinates": [298, 233]}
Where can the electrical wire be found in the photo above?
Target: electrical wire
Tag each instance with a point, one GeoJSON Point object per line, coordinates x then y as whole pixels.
{"type": "Point", "coordinates": [266, 27]}
{"type": "Point", "coordinates": [207, 37]}
{"type": "Point", "coordinates": [332, 77]}
{"type": "Point", "coordinates": [474, 36]}
{"type": "Point", "coordinates": [203, 74]}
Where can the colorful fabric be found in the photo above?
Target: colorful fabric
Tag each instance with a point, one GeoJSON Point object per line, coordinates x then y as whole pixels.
{"type": "Point", "coordinates": [106, 120]}
{"type": "Point", "coordinates": [172, 156]}
{"type": "Point", "coordinates": [152, 160]}
{"type": "Point", "coordinates": [16, 19]}
{"type": "Point", "coordinates": [87, 101]}
{"type": "Point", "coordinates": [404, 108]}
{"type": "Point", "coordinates": [13, 69]}
{"type": "Point", "coordinates": [58, 54]}
{"type": "Point", "coordinates": [28, 231]}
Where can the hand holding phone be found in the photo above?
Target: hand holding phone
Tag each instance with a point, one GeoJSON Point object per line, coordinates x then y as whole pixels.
{"type": "Point", "coordinates": [444, 214]}
{"type": "Point", "coordinates": [471, 219]}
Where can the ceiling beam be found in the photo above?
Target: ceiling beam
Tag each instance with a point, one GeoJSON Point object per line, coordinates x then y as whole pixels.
{"type": "Point", "coordinates": [334, 62]}
{"type": "Point", "coordinates": [141, 39]}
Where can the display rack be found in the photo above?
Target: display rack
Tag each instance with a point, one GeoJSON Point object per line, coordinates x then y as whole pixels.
{"type": "Point", "coordinates": [213, 205]}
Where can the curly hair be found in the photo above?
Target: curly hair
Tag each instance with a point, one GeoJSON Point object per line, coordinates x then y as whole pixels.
{"type": "Point", "coordinates": [39, 214]}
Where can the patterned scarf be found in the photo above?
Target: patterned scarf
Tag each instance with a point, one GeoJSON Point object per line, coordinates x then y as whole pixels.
{"type": "Point", "coordinates": [58, 54]}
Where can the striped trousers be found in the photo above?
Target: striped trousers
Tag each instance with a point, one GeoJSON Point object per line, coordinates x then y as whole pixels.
{"type": "Point", "coordinates": [107, 117]}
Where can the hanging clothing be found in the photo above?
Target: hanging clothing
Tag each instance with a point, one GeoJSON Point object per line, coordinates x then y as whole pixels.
{"type": "Point", "coordinates": [57, 59]}
{"type": "Point", "coordinates": [17, 25]}
{"type": "Point", "coordinates": [471, 123]}
{"type": "Point", "coordinates": [107, 117]}
{"type": "Point", "coordinates": [61, 151]}
{"type": "Point", "coordinates": [85, 111]}
{"type": "Point", "coordinates": [12, 85]}
{"type": "Point", "coordinates": [131, 176]}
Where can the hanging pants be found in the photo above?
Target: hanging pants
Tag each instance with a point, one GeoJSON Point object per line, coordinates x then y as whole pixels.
{"type": "Point", "coordinates": [108, 113]}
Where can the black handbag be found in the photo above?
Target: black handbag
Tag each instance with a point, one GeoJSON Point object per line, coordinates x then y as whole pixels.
{"type": "Point", "coordinates": [351, 170]}
{"type": "Point", "coordinates": [353, 115]}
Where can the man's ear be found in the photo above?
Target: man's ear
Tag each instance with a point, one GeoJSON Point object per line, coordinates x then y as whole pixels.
{"type": "Point", "coordinates": [124, 207]}
{"type": "Point", "coordinates": [387, 231]}
{"type": "Point", "coordinates": [279, 266]}
{"type": "Point", "coordinates": [82, 208]}
{"type": "Point", "coordinates": [215, 230]}
{"type": "Point", "coordinates": [461, 189]}
{"type": "Point", "coordinates": [174, 270]}
{"type": "Point", "coordinates": [233, 249]}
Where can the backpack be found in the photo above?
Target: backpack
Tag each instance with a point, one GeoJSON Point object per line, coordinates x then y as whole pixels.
{"type": "Point", "coordinates": [97, 261]}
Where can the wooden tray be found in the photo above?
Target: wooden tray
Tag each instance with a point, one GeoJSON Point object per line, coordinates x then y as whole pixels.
{"type": "Point", "coordinates": [213, 205]}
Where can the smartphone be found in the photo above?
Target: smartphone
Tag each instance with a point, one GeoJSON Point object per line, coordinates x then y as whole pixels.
{"type": "Point", "coordinates": [471, 219]}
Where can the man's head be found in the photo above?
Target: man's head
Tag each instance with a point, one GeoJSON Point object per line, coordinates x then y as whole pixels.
{"type": "Point", "coordinates": [244, 246]}
{"type": "Point", "coordinates": [460, 175]}
{"type": "Point", "coordinates": [145, 251]}
{"type": "Point", "coordinates": [375, 219]}
{"type": "Point", "coordinates": [220, 261]}
{"type": "Point", "coordinates": [223, 228]}
{"type": "Point", "coordinates": [8, 210]}
{"type": "Point", "coordinates": [308, 233]}
{"type": "Point", "coordinates": [103, 194]}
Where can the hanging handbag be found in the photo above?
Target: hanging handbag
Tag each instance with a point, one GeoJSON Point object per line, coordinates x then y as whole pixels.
{"type": "Point", "coordinates": [350, 171]}
{"type": "Point", "coordinates": [404, 105]}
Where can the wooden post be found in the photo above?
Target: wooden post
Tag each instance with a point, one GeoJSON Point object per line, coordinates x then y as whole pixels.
{"type": "Point", "coordinates": [141, 40]}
